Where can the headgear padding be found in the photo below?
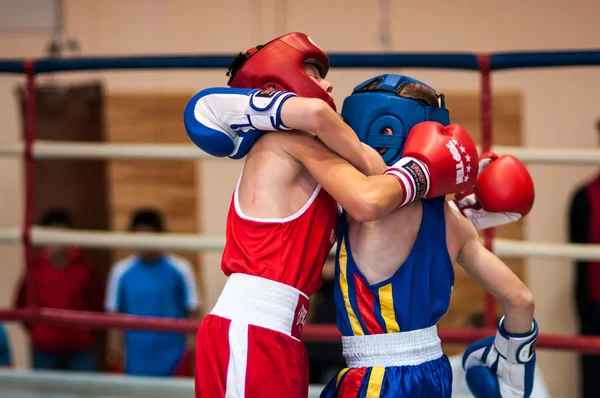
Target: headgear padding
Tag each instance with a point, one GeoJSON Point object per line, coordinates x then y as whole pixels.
{"type": "Point", "coordinates": [280, 63]}
{"type": "Point", "coordinates": [376, 104]}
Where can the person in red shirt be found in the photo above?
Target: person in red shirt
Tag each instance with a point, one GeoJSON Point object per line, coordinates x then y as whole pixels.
{"type": "Point", "coordinates": [584, 227]}
{"type": "Point", "coordinates": [62, 279]}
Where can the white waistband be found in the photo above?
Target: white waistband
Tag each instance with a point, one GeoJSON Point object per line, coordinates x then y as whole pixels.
{"type": "Point", "coordinates": [258, 301]}
{"type": "Point", "coordinates": [392, 349]}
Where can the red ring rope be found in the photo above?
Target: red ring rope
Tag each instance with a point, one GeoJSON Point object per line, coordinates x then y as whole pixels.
{"type": "Point", "coordinates": [486, 143]}
{"type": "Point", "coordinates": [29, 163]}
{"type": "Point", "coordinates": [310, 333]}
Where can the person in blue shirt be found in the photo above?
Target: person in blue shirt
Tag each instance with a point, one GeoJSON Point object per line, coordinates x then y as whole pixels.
{"type": "Point", "coordinates": [5, 357]}
{"type": "Point", "coordinates": [156, 284]}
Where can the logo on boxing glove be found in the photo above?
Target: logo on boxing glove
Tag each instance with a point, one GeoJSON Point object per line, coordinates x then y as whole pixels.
{"type": "Point", "coordinates": [532, 347]}
{"type": "Point", "coordinates": [460, 166]}
{"type": "Point", "coordinates": [418, 176]}
{"type": "Point", "coordinates": [266, 93]}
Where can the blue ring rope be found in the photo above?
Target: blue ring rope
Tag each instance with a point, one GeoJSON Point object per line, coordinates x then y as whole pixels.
{"type": "Point", "coordinates": [459, 61]}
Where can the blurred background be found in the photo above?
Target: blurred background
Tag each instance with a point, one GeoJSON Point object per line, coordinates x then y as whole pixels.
{"type": "Point", "coordinates": [533, 108]}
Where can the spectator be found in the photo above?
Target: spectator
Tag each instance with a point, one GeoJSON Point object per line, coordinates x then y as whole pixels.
{"type": "Point", "coordinates": [5, 357]}
{"type": "Point", "coordinates": [157, 284]}
{"type": "Point", "coordinates": [584, 227]}
{"type": "Point", "coordinates": [325, 359]}
{"type": "Point", "coordinates": [62, 279]}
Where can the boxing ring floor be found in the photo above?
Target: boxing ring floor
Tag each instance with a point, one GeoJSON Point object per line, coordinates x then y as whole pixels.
{"type": "Point", "coordinates": [30, 384]}
{"type": "Point", "coordinates": [44, 384]}
{"type": "Point", "coordinates": [39, 384]}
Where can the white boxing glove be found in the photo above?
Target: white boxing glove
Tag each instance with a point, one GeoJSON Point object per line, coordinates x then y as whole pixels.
{"type": "Point", "coordinates": [502, 366]}
{"type": "Point", "coordinates": [226, 121]}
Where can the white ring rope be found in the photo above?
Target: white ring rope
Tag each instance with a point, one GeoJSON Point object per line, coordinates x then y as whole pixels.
{"type": "Point", "coordinates": [78, 150]}
{"type": "Point", "coordinates": [187, 242]}
{"type": "Point", "coordinates": [41, 236]}
{"type": "Point", "coordinates": [551, 156]}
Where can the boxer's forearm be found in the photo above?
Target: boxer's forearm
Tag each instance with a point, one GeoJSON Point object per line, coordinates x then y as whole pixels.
{"type": "Point", "coordinates": [518, 317]}
{"type": "Point", "coordinates": [316, 117]}
{"type": "Point", "coordinates": [495, 277]}
{"type": "Point", "coordinates": [380, 196]}
{"type": "Point", "coordinates": [364, 198]}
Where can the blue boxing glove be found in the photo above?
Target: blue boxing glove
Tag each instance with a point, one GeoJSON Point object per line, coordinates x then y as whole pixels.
{"type": "Point", "coordinates": [228, 121]}
{"type": "Point", "coordinates": [502, 366]}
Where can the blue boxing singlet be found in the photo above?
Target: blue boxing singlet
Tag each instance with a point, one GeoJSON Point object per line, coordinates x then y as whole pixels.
{"type": "Point", "coordinates": [415, 297]}
{"type": "Point", "coordinates": [389, 328]}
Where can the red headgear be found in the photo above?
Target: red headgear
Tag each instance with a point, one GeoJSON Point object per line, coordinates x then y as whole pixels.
{"type": "Point", "coordinates": [280, 63]}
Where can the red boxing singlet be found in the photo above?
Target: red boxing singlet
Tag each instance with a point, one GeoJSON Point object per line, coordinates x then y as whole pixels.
{"type": "Point", "coordinates": [291, 250]}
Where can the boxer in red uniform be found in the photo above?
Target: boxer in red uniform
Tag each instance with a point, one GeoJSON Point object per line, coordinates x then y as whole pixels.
{"type": "Point", "coordinates": [283, 215]}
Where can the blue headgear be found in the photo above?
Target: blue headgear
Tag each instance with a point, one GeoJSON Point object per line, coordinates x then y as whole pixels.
{"type": "Point", "coordinates": [376, 104]}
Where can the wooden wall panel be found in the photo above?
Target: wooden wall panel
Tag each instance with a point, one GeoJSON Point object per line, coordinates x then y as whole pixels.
{"type": "Point", "coordinates": [169, 186]}
{"type": "Point", "coordinates": [467, 297]}
{"type": "Point", "coordinates": [73, 112]}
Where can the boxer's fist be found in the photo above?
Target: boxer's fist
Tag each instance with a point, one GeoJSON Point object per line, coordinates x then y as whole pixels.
{"type": "Point", "coordinates": [502, 367]}
{"type": "Point", "coordinates": [503, 193]}
{"type": "Point", "coordinates": [437, 160]}
{"type": "Point", "coordinates": [229, 121]}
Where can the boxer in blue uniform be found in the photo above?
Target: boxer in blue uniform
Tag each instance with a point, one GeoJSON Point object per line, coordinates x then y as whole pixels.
{"type": "Point", "coordinates": [394, 276]}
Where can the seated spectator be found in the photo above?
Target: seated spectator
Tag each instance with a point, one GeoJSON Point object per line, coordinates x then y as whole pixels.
{"type": "Point", "coordinates": [156, 284]}
{"type": "Point", "coordinates": [5, 357]}
{"type": "Point", "coordinates": [62, 279]}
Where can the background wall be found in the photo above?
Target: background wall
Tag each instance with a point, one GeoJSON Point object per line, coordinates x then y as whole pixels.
{"type": "Point", "coordinates": [560, 105]}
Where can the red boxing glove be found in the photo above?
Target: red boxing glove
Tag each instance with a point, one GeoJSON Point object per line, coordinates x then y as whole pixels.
{"type": "Point", "coordinates": [504, 192]}
{"type": "Point", "coordinates": [437, 160]}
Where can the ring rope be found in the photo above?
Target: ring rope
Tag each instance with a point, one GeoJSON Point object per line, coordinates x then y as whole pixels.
{"type": "Point", "coordinates": [460, 61]}
{"type": "Point", "coordinates": [44, 149]}
{"type": "Point", "coordinates": [188, 242]}
{"type": "Point", "coordinates": [318, 333]}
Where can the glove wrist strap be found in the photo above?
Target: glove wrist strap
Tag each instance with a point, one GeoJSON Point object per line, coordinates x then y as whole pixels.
{"type": "Point", "coordinates": [413, 175]}
{"type": "Point", "coordinates": [516, 348]}
{"type": "Point", "coordinates": [264, 110]}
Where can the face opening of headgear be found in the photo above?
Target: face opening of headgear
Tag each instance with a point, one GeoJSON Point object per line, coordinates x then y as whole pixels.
{"type": "Point", "coordinates": [377, 104]}
{"type": "Point", "coordinates": [280, 64]}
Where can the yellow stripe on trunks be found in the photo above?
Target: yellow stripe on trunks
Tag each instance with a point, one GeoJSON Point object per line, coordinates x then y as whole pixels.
{"type": "Point", "coordinates": [375, 382]}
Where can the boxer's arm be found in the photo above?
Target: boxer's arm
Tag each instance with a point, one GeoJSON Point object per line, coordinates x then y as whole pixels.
{"type": "Point", "coordinates": [493, 275]}
{"type": "Point", "coordinates": [227, 122]}
{"type": "Point", "coordinates": [316, 117]}
{"type": "Point", "coordinates": [364, 198]}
